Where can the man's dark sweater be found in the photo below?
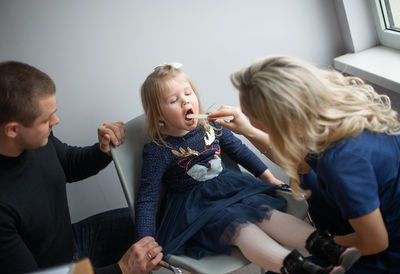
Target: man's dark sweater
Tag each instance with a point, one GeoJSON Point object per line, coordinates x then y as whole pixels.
{"type": "Point", "coordinates": [35, 225]}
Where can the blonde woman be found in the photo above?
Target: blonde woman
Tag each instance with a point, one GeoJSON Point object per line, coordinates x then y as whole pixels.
{"type": "Point", "coordinates": [308, 119]}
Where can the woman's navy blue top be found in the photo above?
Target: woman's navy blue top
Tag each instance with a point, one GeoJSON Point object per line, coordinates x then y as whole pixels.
{"type": "Point", "coordinates": [354, 177]}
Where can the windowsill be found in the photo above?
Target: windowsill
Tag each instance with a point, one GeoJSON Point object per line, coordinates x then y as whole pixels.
{"type": "Point", "coordinates": [378, 65]}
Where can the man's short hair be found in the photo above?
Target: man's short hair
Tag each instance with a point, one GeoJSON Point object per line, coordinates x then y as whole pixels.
{"type": "Point", "coordinates": [21, 85]}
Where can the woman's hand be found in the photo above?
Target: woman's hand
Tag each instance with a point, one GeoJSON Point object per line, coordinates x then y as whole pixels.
{"type": "Point", "coordinates": [239, 124]}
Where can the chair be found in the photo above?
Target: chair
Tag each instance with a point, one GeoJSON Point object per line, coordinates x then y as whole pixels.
{"type": "Point", "coordinates": [128, 163]}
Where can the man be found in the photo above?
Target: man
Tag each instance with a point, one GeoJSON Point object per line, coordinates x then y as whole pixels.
{"type": "Point", "coordinates": [35, 227]}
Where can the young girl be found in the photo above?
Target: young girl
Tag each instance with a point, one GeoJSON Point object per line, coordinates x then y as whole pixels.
{"type": "Point", "coordinates": [208, 208]}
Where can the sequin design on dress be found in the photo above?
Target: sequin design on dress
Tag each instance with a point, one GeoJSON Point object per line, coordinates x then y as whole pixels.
{"type": "Point", "coordinates": [200, 171]}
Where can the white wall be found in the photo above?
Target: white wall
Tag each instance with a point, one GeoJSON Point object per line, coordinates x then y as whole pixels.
{"type": "Point", "coordinates": [99, 52]}
{"type": "Point", "coordinates": [356, 24]}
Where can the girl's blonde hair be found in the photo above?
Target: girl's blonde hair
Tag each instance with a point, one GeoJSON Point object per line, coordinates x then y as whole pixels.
{"type": "Point", "coordinates": [151, 91]}
{"type": "Point", "coordinates": [305, 109]}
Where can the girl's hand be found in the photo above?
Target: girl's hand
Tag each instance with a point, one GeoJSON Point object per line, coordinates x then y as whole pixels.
{"type": "Point", "coordinates": [269, 177]}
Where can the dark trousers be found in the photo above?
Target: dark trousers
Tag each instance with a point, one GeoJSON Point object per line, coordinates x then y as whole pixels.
{"type": "Point", "coordinates": [104, 237]}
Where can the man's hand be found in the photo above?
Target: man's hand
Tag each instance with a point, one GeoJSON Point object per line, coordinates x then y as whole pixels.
{"type": "Point", "coordinates": [142, 257]}
{"type": "Point", "coordinates": [111, 132]}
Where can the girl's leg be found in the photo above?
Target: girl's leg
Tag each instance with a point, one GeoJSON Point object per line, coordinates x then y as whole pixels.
{"type": "Point", "coordinates": [287, 229]}
{"type": "Point", "coordinates": [259, 248]}
{"type": "Point", "coordinates": [264, 251]}
{"type": "Point", "coordinates": [291, 231]}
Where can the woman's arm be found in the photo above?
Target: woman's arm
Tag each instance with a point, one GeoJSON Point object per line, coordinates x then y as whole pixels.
{"type": "Point", "coordinates": [241, 125]}
{"type": "Point", "coordinates": [370, 235]}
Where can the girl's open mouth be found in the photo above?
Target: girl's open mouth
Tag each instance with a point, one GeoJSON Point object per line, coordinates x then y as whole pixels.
{"type": "Point", "coordinates": [190, 111]}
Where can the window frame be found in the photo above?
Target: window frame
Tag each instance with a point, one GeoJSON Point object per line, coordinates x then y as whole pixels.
{"type": "Point", "coordinates": [387, 37]}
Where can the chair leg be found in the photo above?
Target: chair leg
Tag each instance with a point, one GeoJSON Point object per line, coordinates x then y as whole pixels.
{"type": "Point", "coordinates": [174, 269]}
{"type": "Point", "coordinates": [309, 218]}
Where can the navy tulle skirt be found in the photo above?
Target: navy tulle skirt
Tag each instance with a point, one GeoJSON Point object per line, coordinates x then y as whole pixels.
{"type": "Point", "coordinates": [204, 219]}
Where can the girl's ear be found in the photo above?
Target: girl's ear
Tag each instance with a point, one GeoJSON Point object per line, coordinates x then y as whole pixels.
{"type": "Point", "coordinates": [160, 117]}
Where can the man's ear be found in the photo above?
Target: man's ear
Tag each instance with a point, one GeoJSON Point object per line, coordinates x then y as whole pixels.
{"type": "Point", "coordinates": [11, 129]}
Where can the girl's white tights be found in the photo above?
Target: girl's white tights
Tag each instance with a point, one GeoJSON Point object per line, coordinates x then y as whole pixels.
{"type": "Point", "coordinates": [263, 243]}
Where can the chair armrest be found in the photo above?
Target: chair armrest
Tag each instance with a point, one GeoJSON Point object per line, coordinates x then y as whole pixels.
{"type": "Point", "coordinates": [211, 263]}
{"type": "Point", "coordinates": [298, 208]}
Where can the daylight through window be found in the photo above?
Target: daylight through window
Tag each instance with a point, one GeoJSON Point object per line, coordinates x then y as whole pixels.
{"type": "Point", "coordinates": [391, 14]}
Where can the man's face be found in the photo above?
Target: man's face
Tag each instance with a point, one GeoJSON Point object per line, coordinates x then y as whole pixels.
{"type": "Point", "coordinates": [37, 134]}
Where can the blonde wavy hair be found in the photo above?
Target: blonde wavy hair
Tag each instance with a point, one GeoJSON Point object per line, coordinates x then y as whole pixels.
{"type": "Point", "coordinates": [305, 109]}
{"type": "Point", "coordinates": [151, 91]}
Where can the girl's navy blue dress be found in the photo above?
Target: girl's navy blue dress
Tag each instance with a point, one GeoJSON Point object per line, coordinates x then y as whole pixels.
{"type": "Point", "coordinates": [205, 202]}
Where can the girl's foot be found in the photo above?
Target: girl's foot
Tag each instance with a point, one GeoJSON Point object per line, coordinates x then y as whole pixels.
{"type": "Point", "coordinates": [295, 263]}
{"type": "Point", "coordinates": [321, 245]}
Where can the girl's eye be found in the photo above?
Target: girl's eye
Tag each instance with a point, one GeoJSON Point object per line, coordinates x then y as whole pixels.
{"type": "Point", "coordinates": [189, 92]}
{"type": "Point", "coordinates": [172, 101]}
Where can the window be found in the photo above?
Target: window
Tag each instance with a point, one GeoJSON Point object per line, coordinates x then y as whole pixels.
{"type": "Point", "coordinates": [387, 20]}
{"type": "Point", "coordinates": [391, 14]}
